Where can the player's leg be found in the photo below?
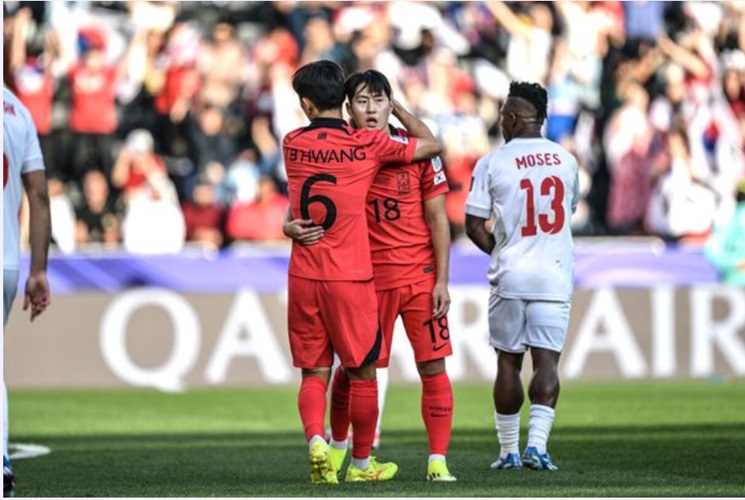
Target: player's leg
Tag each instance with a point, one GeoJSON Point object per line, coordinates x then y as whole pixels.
{"type": "Point", "coordinates": [10, 286]}
{"type": "Point", "coordinates": [312, 408]}
{"type": "Point", "coordinates": [339, 417]}
{"type": "Point", "coordinates": [382, 376]}
{"type": "Point", "coordinates": [312, 352]}
{"type": "Point", "coordinates": [547, 327]}
{"type": "Point", "coordinates": [350, 309]}
{"type": "Point", "coordinates": [506, 329]}
{"type": "Point", "coordinates": [430, 341]}
{"type": "Point", "coordinates": [339, 410]}
{"type": "Point", "coordinates": [389, 306]}
{"type": "Point", "coordinates": [387, 312]}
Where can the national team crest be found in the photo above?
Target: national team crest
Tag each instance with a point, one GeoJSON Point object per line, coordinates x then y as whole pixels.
{"type": "Point", "coordinates": [402, 180]}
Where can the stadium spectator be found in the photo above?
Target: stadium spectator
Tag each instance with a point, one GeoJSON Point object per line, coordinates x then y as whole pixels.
{"type": "Point", "coordinates": [222, 67]}
{"type": "Point", "coordinates": [212, 139]}
{"type": "Point", "coordinates": [23, 170]}
{"type": "Point", "coordinates": [449, 62]}
{"type": "Point", "coordinates": [530, 40]}
{"type": "Point", "coordinates": [204, 217]}
{"type": "Point", "coordinates": [260, 219]}
{"type": "Point", "coordinates": [63, 216]}
{"type": "Point", "coordinates": [98, 219]}
{"type": "Point", "coordinates": [153, 221]}
{"type": "Point", "coordinates": [726, 246]}
{"type": "Point", "coordinates": [178, 85]}
{"type": "Point", "coordinates": [145, 80]}
{"type": "Point", "coordinates": [627, 141]}
{"type": "Point", "coordinates": [32, 70]}
{"type": "Point", "coordinates": [137, 162]}
{"type": "Point", "coordinates": [682, 204]}
{"type": "Point", "coordinates": [529, 302]}
{"type": "Point", "coordinates": [92, 118]}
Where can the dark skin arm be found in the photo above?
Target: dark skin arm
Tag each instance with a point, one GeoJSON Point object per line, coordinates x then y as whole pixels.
{"type": "Point", "coordinates": [477, 232]}
{"type": "Point", "coordinates": [37, 287]}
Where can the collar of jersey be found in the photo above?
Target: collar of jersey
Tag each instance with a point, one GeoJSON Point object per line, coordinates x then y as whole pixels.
{"type": "Point", "coordinates": [336, 123]}
{"type": "Point", "coordinates": [328, 122]}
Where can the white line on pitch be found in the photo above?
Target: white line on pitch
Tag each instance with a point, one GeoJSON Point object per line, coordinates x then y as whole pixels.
{"type": "Point", "coordinates": [22, 450]}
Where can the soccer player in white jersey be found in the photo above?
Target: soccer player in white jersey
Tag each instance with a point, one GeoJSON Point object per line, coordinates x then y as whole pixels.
{"type": "Point", "coordinates": [529, 188]}
{"type": "Point", "coordinates": [23, 164]}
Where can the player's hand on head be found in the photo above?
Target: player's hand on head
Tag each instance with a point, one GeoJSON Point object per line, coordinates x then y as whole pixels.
{"type": "Point", "coordinates": [304, 231]}
{"type": "Point", "coordinates": [440, 301]}
{"type": "Point", "coordinates": [36, 294]}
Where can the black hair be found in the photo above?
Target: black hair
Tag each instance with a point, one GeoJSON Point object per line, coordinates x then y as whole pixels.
{"type": "Point", "coordinates": [322, 82]}
{"type": "Point", "coordinates": [534, 94]}
{"type": "Point", "coordinates": [374, 81]}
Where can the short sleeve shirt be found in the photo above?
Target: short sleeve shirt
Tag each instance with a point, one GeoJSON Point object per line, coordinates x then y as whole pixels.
{"type": "Point", "coordinates": [330, 168]}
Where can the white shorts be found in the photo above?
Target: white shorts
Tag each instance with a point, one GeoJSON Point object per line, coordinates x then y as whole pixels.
{"type": "Point", "coordinates": [516, 324]}
{"type": "Point", "coordinates": [10, 286]}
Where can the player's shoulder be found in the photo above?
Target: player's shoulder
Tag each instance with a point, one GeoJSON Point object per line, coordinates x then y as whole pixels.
{"type": "Point", "coordinates": [491, 158]}
{"type": "Point", "coordinates": [292, 135]}
{"type": "Point", "coordinates": [13, 107]}
{"type": "Point", "coordinates": [10, 99]}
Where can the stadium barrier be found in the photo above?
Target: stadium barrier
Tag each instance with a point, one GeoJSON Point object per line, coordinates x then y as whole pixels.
{"type": "Point", "coordinates": [172, 323]}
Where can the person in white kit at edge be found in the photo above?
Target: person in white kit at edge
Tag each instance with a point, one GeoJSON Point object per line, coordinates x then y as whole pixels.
{"type": "Point", "coordinates": [23, 164]}
{"type": "Point", "coordinates": [529, 189]}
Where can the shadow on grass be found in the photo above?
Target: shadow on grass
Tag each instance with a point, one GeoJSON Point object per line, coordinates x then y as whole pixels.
{"type": "Point", "coordinates": [681, 460]}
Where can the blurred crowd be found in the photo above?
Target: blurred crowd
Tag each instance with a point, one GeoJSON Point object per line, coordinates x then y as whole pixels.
{"type": "Point", "coordinates": [161, 122]}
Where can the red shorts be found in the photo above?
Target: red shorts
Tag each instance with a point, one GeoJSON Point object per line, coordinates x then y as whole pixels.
{"type": "Point", "coordinates": [324, 317]}
{"type": "Point", "coordinates": [429, 338]}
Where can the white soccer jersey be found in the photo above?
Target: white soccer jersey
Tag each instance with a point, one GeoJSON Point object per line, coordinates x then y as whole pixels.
{"type": "Point", "coordinates": [21, 155]}
{"type": "Point", "coordinates": [530, 187]}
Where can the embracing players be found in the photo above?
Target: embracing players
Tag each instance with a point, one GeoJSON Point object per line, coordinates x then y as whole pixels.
{"type": "Point", "coordinates": [332, 306]}
{"type": "Point", "coordinates": [410, 244]}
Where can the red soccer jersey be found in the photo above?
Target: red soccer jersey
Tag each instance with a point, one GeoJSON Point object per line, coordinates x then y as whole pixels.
{"type": "Point", "coordinates": [400, 239]}
{"type": "Point", "coordinates": [330, 167]}
{"type": "Point", "coordinates": [93, 109]}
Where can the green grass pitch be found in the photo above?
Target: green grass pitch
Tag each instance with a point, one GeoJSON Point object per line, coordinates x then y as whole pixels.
{"type": "Point", "coordinates": [622, 439]}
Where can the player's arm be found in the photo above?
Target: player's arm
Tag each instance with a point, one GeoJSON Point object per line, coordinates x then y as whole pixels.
{"type": "Point", "coordinates": [304, 231]}
{"type": "Point", "coordinates": [479, 234]}
{"type": "Point", "coordinates": [427, 145]}
{"type": "Point", "coordinates": [479, 208]}
{"type": "Point", "coordinates": [439, 228]}
{"type": "Point", "coordinates": [37, 286]}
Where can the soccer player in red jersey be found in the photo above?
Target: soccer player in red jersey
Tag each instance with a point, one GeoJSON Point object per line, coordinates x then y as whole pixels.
{"type": "Point", "coordinates": [332, 305]}
{"type": "Point", "coordinates": [410, 244]}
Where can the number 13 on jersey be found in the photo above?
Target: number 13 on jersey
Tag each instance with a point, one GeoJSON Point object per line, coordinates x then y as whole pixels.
{"type": "Point", "coordinates": [550, 186]}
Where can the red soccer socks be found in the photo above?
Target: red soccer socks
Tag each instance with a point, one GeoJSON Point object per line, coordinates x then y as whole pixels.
{"type": "Point", "coordinates": [311, 402]}
{"type": "Point", "coordinates": [437, 411]}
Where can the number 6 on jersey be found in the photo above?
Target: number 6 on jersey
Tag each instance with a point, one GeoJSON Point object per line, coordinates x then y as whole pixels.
{"type": "Point", "coordinates": [306, 199]}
